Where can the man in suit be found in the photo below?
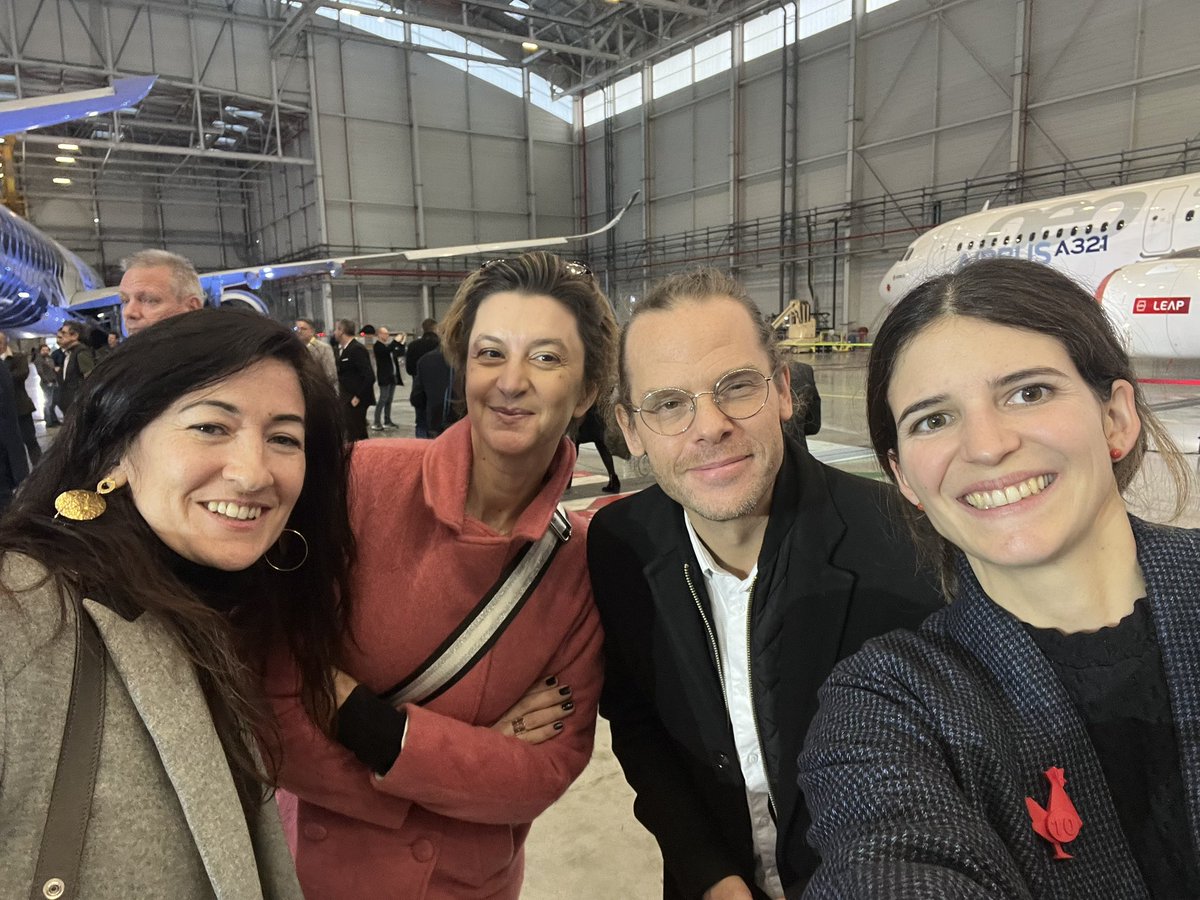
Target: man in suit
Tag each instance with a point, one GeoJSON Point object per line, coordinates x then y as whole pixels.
{"type": "Point", "coordinates": [77, 363]}
{"type": "Point", "coordinates": [728, 591]}
{"type": "Point", "coordinates": [432, 395]}
{"type": "Point", "coordinates": [418, 349]}
{"type": "Point", "coordinates": [356, 380]}
{"type": "Point", "coordinates": [422, 345]}
{"type": "Point", "coordinates": [13, 464]}
{"type": "Point", "coordinates": [385, 377]}
{"type": "Point", "coordinates": [18, 367]}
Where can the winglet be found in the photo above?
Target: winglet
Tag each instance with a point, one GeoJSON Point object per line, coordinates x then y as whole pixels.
{"type": "Point", "coordinates": [54, 109]}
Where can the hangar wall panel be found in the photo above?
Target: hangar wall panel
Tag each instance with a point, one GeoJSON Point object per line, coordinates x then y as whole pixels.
{"type": "Point", "coordinates": [926, 136]}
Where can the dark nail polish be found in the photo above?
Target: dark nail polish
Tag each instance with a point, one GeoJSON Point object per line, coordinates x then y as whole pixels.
{"type": "Point", "coordinates": [551, 681]}
{"type": "Point", "coordinates": [558, 726]}
{"type": "Point", "coordinates": [568, 706]}
{"type": "Point", "coordinates": [565, 691]}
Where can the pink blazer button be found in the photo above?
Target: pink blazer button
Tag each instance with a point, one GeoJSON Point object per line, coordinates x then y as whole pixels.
{"type": "Point", "coordinates": [422, 850]}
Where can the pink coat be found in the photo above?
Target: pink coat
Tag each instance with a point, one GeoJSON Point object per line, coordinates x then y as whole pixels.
{"type": "Point", "coordinates": [449, 819]}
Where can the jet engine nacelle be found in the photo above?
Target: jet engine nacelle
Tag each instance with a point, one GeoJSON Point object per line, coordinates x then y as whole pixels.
{"type": "Point", "coordinates": [238, 299]}
{"type": "Point", "coordinates": [1156, 306]}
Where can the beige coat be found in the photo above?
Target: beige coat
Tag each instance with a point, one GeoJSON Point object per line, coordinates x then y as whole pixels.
{"type": "Point", "coordinates": [166, 821]}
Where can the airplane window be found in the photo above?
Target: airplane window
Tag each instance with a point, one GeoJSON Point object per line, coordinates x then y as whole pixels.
{"type": "Point", "coordinates": [1020, 237]}
{"type": "Point", "coordinates": [1033, 235]}
{"type": "Point", "coordinates": [1120, 224]}
{"type": "Point", "coordinates": [1088, 230]}
{"type": "Point", "coordinates": [1060, 231]}
{"type": "Point", "coordinates": [1074, 230]}
{"type": "Point", "coordinates": [1191, 214]}
{"type": "Point", "coordinates": [1005, 240]}
{"type": "Point", "coordinates": [1104, 226]}
{"type": "Point", "coordinates": [1045, 234]}
{"type": "Point", "coordinates": [960, 245]}
{"type": "Point", "coordinates": [971, 246]}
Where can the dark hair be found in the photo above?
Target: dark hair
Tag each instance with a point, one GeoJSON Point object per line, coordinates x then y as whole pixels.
{"type": "Point", "coordinates": [76, 327]}
{"type": "Point", "coordinates": [539, 273]}
{"type": "Point", "coordinates": [697, 286]}
{"type": "Point", "coordinates": [429, 326]}
{"type": "Point", "coordinates": [1016, 294]}
{"type": "Point", "coordinates": [309, 322]}
{"type": "Point", "coordinates": [115, 554]}
{"type": "Point", "coordinates": [349, 327]}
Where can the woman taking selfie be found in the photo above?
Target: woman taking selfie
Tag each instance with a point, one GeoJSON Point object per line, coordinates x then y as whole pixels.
{"type": "Point", "coordinates": [470, 679]}
{"type": "Point", "coordinates": [156, 549]}
{"type": "Point", "coordinates": [1038, 737]}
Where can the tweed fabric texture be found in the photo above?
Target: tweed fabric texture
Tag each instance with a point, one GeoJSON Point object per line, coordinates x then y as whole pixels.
{"type": "Point", "coordinates": [926, 744]}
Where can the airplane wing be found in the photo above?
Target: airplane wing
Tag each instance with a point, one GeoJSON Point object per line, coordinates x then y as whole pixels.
{"type": "Point", "coordinates": [54, 109]}
{"type": "Point", "coordinates": [254, 277]}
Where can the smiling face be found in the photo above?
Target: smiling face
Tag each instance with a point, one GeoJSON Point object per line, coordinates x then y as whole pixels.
{"type": "Point", "coordinates": [217, 474]}
{"type": "Point", "coordinates": [149, 295]}
{"type": "Point", "coordinates": [1005, 445]}
{"type": "Point", "coordinates": [719, 468]}
{"type": "Point", "coordinates": [525, 375]}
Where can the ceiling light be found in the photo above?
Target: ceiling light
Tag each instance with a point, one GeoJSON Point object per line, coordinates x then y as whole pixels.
{"type": "Point", "coordinates": [68, 146]}
{"type": "Point", "coordinates": [66, 160]}
{"type": "Point", "coordinates": [95, 220]}
{"type": "Point", "coordinates": [529, 46]}
{"type": "Point", "coordinates": [93, 114]}
{"type": "Point", "coordinates": [62, 180]}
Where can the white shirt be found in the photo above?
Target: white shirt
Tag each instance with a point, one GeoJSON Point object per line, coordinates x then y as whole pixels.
{"type": "Point", "coordinates": [729, 597]}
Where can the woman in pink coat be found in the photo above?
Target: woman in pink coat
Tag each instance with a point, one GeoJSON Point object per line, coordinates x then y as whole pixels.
{"type": "Point", "coordinates": [434, 799]}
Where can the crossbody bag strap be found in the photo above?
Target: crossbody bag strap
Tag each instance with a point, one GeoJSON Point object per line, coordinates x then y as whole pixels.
{"type": "Point", "coordinates": [56, 876]}
{"type": "Point", "coordinates": [484, 624]}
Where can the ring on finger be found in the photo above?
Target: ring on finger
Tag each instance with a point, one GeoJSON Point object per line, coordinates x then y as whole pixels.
{"type": "Point", "coordinates": [518, 725]}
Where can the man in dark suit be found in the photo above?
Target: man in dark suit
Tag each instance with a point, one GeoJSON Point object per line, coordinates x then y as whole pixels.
{"type": "Point", "coordinates": [432, 395]}
{"type": "Point", "coordinates": [77, 364]}
{"type": "Point", "coordinates": [728, 591]}
{"type": "Point", "coordinates": [13, 464]}
{"type": "Point", "coordinates": [422, 345]}
{"type": "Point", "coordinates": [18, 367]}
{"type": "Point", "coordinates": [356, 380]}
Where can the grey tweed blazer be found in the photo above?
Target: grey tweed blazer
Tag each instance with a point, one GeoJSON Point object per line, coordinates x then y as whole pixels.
{"type": "Point", "coordinates": [917, 766]}
{"type": "Point", "coordinates": [166, 820]}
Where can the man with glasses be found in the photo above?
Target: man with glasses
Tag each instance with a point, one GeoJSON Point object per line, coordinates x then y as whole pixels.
{"type": "Point", "coordinates": [729, 590]}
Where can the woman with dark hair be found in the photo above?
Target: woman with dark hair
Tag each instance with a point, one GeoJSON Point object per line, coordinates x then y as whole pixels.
{"type": "Point", "coordinates": [446, 750]}
{"type": "Point", "coordinates": [191, 510]}
{"type": "Point", "coordinates": [1037, 737]}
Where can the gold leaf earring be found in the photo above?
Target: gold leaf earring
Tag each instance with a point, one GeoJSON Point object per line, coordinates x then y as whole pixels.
{"type": "Point", "coordinates": [82, 505]}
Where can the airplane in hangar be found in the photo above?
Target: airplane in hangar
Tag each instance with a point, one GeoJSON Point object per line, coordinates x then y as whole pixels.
{"type": "Point", "coordinates": [1136, 245]}
{"type": "Point", "coordinates": [43, 284]}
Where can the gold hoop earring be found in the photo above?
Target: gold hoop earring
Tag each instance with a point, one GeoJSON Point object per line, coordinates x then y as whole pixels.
{"type": "Point", "coordinates": [82, 505]}
{"type": "Point", "coordinates": [303, 559]}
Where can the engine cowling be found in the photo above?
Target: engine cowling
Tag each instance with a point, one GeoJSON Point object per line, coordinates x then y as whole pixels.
{"type": "Point", "coordinates": [235, 298]}
{"type": "Point", "coordinates": [1156, 307]}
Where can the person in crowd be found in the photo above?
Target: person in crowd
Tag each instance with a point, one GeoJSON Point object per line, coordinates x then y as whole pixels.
{"type": "Point", "coordinates": [591, 431]}
{"type": "Point", "coordinates": [14, 464]}
{"type": "Point", "coordinates": [306, 330]}
{"type": "Point", "coordinates": [385, 377]}
{"type": "Point", "coordinates": [433, 798]}
{"type": "Point", "coordinates": [427, 341]}
{"type": "Point", "coordinates": [435, 404]}
{"type": "Point", "coordinates": [191, 509]}
{"type": "Point", "coordinates": [356, 380]}
{"type": "Point", "coordinates": [98, 340]}
{"type": "Point", "coordinates": [399, 350]}
{"type": "Point", "coordinates": [1036, 737]}
{"type": "Point", "coordinates": [48, 377]}
{"type": "Point", "coordinates": [156, 285]}
{"type": "Point", "coordinates": [806, 418]}
{"type": "Point", "coordinates": [18, 367]}
{"type": "Point", "coordinates": [77, 363]}
{"type": "Point", "coordinates": [729, 590]}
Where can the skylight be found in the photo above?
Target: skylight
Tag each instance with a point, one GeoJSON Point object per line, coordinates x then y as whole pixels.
{"type": "Point", "coordinates": [503, 74]}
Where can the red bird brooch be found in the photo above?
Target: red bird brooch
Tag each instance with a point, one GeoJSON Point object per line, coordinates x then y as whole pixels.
{"type": "Point", "coordinates": [1058, 823]}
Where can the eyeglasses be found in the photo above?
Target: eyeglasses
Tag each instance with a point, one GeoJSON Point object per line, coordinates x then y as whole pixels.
{"type": "Point", "coordinates": [573, 266]}
{"type": "Point", "coordinates": [739, 395]}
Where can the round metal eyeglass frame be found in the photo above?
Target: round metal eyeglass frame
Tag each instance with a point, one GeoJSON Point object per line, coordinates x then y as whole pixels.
{"type": "Point", "coordinates": [650, 420]}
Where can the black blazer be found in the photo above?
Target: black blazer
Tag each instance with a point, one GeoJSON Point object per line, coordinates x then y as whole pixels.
{"type": "Point", "coordinates": [833, 571]}
{"type": "Point", "coordinates": [385, 364]}
{"type": "Point", "coordinates": [355, 377]}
